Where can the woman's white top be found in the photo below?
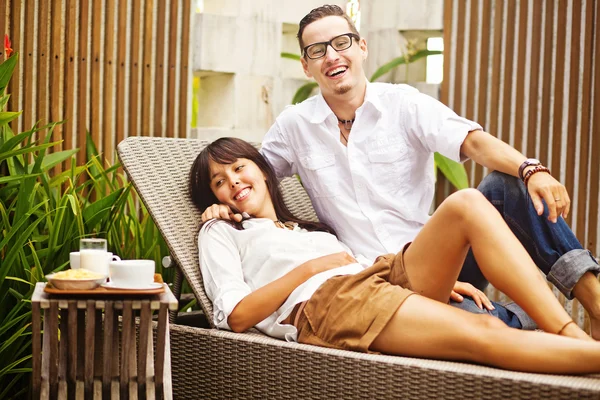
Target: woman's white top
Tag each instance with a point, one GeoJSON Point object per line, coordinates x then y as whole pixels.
{"type": "Point", "coordinates": [234, 263]}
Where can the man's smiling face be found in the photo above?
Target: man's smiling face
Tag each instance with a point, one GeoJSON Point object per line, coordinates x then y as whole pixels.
{"type": "Point", "coordinates": [337, 72]}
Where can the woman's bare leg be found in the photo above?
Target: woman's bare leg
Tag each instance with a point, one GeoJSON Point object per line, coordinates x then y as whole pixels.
{"type": "Point", "coordinates": [466, 219]}
{"type": "Point", "coordinates": [426, 328]}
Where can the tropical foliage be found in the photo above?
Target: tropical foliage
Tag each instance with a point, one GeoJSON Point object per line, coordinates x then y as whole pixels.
{"type": "Point", "coordinates": [47, 203]}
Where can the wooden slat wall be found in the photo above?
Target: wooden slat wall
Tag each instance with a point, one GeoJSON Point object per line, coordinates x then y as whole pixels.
{"type": "Point", "coordinates": [115, 68]}
{"type": "Point", "coordinates": [528, 72]}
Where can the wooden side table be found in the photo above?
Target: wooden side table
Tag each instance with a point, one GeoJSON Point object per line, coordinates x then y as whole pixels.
{"type": "Point", "coordinates": [89, 346]}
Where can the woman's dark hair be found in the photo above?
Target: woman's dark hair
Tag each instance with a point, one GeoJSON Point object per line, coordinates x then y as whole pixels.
{"type": "Point", "coordinates": [226, 151]}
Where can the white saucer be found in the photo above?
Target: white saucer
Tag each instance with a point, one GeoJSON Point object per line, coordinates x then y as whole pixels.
{"type": "Point", "coordinates": [154, 285]}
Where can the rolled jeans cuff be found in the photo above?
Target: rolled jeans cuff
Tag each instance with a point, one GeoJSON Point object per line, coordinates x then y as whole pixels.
{"type": "Point", "coordinates": [526, 322]}
{"type": "Point", "coordinates": [569, 268]}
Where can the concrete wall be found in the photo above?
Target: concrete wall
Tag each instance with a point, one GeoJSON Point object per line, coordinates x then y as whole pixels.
{"type": "Point", "coordinates": [244, 82]}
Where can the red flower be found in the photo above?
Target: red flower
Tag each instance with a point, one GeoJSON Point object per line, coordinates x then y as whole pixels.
{"type": "Point", "coordinates": [7, 49]}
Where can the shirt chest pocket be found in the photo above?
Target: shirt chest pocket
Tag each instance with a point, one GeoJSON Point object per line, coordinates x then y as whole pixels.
{"type": "Point", "coordinates": [390, 168]}
{"type": "Point", "coordinates": [320, 174]}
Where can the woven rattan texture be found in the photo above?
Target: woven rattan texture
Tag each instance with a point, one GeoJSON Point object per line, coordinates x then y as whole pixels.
{"type": "Point", "coordinates": [212, 364]}
{"type": "Point", "coordinates": [159, 170]}
{"type": "Point", "coordinates": [249, 366]}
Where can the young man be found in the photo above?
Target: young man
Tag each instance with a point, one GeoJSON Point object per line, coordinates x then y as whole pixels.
{"type": "Point", "coordinates": [364, 152]}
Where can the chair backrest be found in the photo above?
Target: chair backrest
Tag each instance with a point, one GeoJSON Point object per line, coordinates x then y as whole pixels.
{"type": "Point", "coordinates": [159, 170]}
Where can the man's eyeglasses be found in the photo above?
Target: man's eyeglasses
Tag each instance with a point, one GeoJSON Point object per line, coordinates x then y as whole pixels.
{"type": "Point", "coordinates": [339, 43]}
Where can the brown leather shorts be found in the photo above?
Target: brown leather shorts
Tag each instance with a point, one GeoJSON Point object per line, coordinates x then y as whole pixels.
{"type": "Point", "coordinates": [349, 311]}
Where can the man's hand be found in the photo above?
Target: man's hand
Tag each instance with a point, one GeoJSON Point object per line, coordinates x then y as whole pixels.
{"type": "Point", "coordinates": [543, 186]}
{"type": "Point", "coordinates": [220, 211]}
{"type": "Point", "coordinates": [466, 289]}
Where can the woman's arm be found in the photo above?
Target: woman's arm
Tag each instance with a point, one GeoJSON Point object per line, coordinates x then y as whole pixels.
{"type": "Point", "coordinates": [264, 301]}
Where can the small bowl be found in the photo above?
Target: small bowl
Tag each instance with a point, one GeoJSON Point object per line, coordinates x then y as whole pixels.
{"type": "Point", "coordinates": [75, 284]}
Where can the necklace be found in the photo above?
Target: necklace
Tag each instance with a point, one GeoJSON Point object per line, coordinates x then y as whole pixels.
{"type": "Point", "coordinates": [347, 122]}
{"type": "Point", "coordinates": [344, 136]}
{"type": "Point", "coordinates": [285, 225]}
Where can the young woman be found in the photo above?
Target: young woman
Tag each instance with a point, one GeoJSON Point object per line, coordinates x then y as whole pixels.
{"type": "Point", "coordinates": [294, 280]}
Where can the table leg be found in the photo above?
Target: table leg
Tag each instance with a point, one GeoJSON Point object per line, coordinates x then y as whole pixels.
{"type": "Point", "coordinates": [109, 333]}
{"type": "Point", "coordinates": [160, 349]}
{"type": "Point", "coordinates": [167, 384]}
{"type": "Point", "coordinates": [36, 348]}
{"type": "Point", "coordinates": [72, 362]}
{"type": "Point", "coordinates": [81, 305]}
{"type": "Point", "coordinates": [126, 336]}
{"type": "Point", "coordinates": [142, 373]}
{"type": "Point", "coordinates": [63, 349]}
{"type": "Point", "coordinates": [51, 329]}
{"type": "Point", "coordinates": [90, 330]}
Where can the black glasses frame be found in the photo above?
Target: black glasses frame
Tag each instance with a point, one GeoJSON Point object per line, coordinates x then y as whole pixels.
{"type": "Point", "coordinates": [329, 43]}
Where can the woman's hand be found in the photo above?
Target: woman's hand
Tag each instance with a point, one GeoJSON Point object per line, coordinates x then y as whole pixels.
{"type": "Point", "coordinates": [464, 288]}
{"type": "Point", "coordinates": [330, 261]}
{"type": "Point", "coordinates": [220, 211]}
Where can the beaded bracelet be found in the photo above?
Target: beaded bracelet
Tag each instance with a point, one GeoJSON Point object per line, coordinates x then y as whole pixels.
{"type": "Point", "coordinates": [534, 170]}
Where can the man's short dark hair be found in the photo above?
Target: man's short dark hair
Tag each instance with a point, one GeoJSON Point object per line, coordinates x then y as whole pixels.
{"type": "Point", "coordinates": [321, 12]}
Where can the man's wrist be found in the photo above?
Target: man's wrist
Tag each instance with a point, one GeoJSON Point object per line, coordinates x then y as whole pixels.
{"type": "Point", "coordinates": [527, 169]}
{"type": "Point", "coordinates": [528, 163]}
{"type": "Point", "coordinates": [534, 170]}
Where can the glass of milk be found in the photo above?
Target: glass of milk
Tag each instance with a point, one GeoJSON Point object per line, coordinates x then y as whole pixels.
{"type": "Point", "coordinates": [94, 255]}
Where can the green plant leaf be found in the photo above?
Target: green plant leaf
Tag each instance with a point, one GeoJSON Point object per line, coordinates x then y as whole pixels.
{"type": "Point", "coordinates": [13, 320]}
{"type": "Point", "coordinates": [26, 150]}
{"type": "Point", "coordinates": [14, 337]}
{"type": "Point", "coordinates": [304, 92]}
{"type": "Point", "coordinates": [291, 56]}
{"type": "Point", "coordinates": [17, 140]}
{"type": "Point", "coordinates": [387, 67]}
{"type": "Point", "coordinates": [191, 304]}
{"type": "Point", "coordinates": [455, 172]}
{"type": "Point", "coordinates": [12, 278]}
{"type": "Point", "coordinates": [7, 179]}
{"type": "Point", "coordinates": [11, 366]}
{"type": "Point", "coordinates": [99, 209]}
{"type": "Point", "coordinates": [6, 70]}
{"type": "Point", "coordinates": [53, 159]}
{"type": "Point", "coordinates": [4, 100]}
{"type": "Point", "coordinates": [6, 117]}
{"type": "Point", "coordinates": [17, 226]}
{"type": "Point", "coordinates": [91, 150]}
{"type": "Point", "coordinates": [17, 246]}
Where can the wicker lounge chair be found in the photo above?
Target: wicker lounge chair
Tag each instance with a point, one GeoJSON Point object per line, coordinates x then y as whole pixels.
{"type": "Point", "coordinates": [213, 364]}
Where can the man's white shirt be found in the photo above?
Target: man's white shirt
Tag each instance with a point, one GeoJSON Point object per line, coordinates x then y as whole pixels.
{"type": "Point", "coordinates": [376, 192]}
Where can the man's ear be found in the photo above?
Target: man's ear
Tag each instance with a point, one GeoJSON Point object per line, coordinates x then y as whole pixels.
{"type": "Point", "coordinates": [305, 67]}
{"type": "Point", "coordinates": [363, 48]}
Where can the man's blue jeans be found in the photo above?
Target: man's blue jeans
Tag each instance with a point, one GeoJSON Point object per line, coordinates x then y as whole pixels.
{"type": "Point", "coordinates": [511, 314]}
{"type": "Point", "coordinates": [552, 246]}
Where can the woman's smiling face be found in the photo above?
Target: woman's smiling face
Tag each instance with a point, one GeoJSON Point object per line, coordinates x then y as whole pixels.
{"type": "Point", "coordinates": [242, 186]}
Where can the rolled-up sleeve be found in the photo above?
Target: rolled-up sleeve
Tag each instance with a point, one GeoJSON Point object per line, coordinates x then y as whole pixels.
{"type": "Point", "coordinates": [437, 127]}
{"type": "Point", "coordinates": [277, 152]}
{"type": "Point", "coordinates": [221, 270]}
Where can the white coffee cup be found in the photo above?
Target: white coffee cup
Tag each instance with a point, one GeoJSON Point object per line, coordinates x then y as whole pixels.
{"type": "Point", "coordinates": [100, 267]}
{"type": "Point", "coordinates": [132, 273]}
